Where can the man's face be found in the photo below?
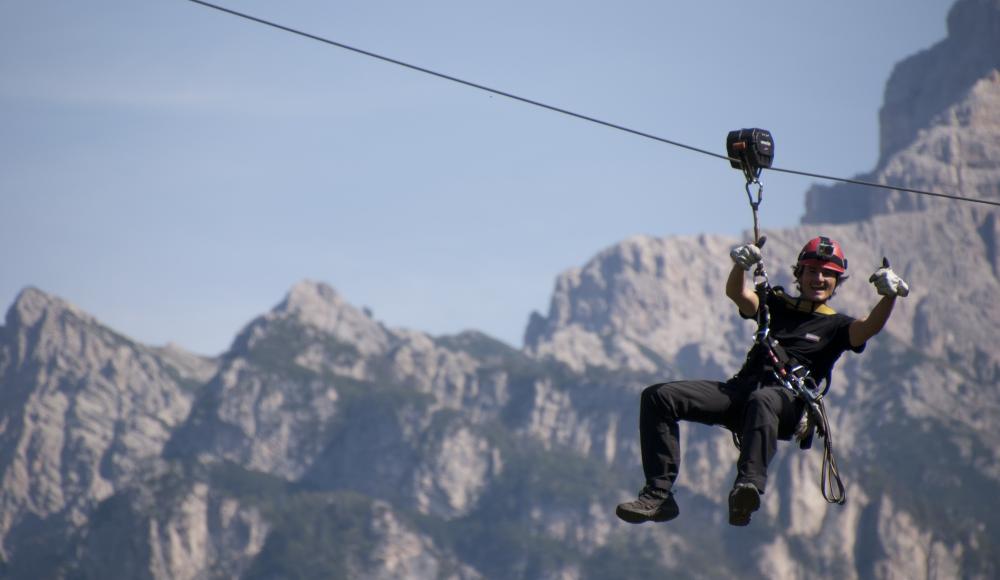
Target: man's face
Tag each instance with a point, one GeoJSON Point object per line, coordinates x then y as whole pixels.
{"type": "Point", "coordinates": [816, 283]}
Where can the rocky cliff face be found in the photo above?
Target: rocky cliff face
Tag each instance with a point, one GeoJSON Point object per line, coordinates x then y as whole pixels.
{"type": "Point", "coordinates": [318, 391]}
{"type": "Point", "coordinates": [925, 85]}
{"type": "Point", "coordinates": [940, 125]}
{"type": "Point", "coordinates": [325, 444]}
{"type": "Point", "coordinates": [81, 408]}
{"type": "Point", "coordinates": [637, 306]}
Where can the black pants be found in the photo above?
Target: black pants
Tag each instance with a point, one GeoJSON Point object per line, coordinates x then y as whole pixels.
{"type": "Point", "coordinates": [760, 415]}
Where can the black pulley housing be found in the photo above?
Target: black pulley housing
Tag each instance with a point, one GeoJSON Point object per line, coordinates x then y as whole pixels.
{"type": "Point", "coordinates": [753, 147]}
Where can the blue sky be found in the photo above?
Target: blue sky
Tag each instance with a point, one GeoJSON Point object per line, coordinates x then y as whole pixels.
{"type": "Point", "coordinates": [174, 170]}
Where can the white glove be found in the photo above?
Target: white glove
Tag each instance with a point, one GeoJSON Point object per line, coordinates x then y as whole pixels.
{"type": "Point", "coordinates": [746, 255]}
{"type": "Point", "coordinates": [887, 282]}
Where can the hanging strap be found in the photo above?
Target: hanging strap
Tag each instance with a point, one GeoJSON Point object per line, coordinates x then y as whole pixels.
{"type": "Point", "coordinates": [754, 205]}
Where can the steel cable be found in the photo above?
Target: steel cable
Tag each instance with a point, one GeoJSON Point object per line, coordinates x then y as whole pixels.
{"type": "Point", "coordinates": [574, 114]}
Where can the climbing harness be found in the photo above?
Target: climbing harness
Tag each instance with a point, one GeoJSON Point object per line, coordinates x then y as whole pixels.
{"type": "Point", "coordinates": [752, 150]}
{"type": "Point", "coordinates": [796, 377]}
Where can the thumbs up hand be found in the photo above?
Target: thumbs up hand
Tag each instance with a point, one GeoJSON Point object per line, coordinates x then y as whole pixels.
{"type": "Point", "coordinates": [887, 282]}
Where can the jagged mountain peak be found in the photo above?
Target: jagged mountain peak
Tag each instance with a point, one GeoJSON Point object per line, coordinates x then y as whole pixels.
{"type": "Point", "coordinates": [69, 383]}
{"type": "Point", "coordinates": [939, 125]}
{"type": "Point", "coordinates": [32, 304]}
{"type": "Point", "coordinates": [45, 325]}
{"type": "Point", "coordinates": [925, 84]}
{"type": "Point", "coordinates": [310, 297]}
{"type": "Point", "coordinates": [42, 326]}
{"type": "Point", "coordinates": [318, 307]}
{"type": "Point", "coordinates": [61, 321]}
{"type": "Point", "coordinates": [977, 22]}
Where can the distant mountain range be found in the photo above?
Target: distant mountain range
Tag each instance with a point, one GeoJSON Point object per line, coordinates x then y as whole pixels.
{"type": "Point", "coordinates": [324, 444]}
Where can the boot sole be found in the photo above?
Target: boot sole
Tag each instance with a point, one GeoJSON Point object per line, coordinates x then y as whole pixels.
{"type": "Point", "coordinates": [665, 515]}
{"type": "Point", "coordinates": [661, 515]}
{"type": "Point", "coordinates": [742, 503]}
{"type": "Point", "coordinates": [632, 517]}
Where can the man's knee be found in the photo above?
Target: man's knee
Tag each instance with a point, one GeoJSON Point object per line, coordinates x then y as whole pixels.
{"type": "Point", "coordinates": [651, 394]}
{"type": "Point", "coordinates": [659, 396]}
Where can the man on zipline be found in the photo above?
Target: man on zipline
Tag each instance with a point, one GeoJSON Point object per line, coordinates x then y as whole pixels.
{"type": "Point", "coordinates": [753, 404]}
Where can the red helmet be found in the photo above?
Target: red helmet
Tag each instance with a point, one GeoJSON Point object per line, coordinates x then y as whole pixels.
{"type": "Point", "coordinates": [823, 253]}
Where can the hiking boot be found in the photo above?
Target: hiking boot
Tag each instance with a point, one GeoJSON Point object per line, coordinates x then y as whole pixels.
{"type": "Point", "coordinates": [743, 501]}
{"type": "Point", "coordinates": [653, 505]}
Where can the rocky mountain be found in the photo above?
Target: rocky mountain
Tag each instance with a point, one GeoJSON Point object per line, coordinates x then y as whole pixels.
{"type": "Point", "coordinates": [940, 126]}
{"type": "Point", "coordinates": [82, 409]}
{"type": "Point", "coordinates": [324, 444]}
{"type": "Point", "coordinates": [319, 427]}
